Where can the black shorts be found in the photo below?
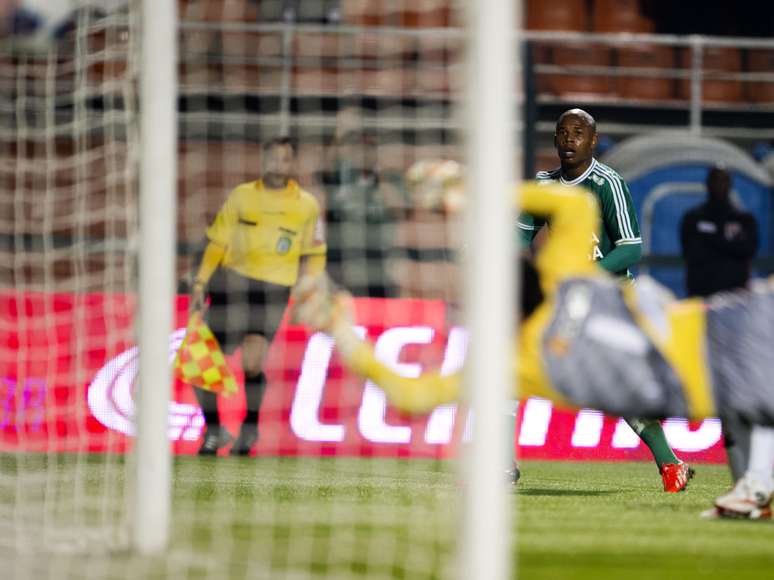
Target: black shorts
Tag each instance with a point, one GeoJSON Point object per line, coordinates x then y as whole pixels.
{"type": "Point", "coordinates": [240, 306]}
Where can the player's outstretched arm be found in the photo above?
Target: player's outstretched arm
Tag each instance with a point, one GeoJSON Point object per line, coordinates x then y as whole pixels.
{"type": "Point", "coordinates": [319, 305]}
{"type": "Point", "coordinates": [573, 214]}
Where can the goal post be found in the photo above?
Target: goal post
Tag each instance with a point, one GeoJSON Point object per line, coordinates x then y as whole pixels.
{"type": "Point", "coordinates": [489, 263]}
{"type": "Point", "coordinates": [157, 248]}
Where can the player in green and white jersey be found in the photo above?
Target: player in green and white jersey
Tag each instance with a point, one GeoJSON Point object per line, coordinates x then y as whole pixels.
{"type": "Point", "coordinates": [617, 247]}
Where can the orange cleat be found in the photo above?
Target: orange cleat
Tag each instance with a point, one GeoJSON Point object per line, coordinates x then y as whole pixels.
{"type": "Point", "coordinates": [675, 476]}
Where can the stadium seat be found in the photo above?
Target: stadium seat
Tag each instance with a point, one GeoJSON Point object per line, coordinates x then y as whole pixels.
{"type": "Point", "coordinates": [398, 13]}
{"type": "Point", "coordinates": [194, 70]}
{"type": "Point", "coordinates": [362, 12]}
{"type": "Point", "coordinates": [239, 48]}
{"type": "Point", "coordinates": [646, 87]}
{"type": "Point", "coordinates": [717, 61]}
{"type": "Point", "coordinates": [323, 46]}
{"type": "Point", "coordinates": [620, 16]}
{"type": "Point", "coordinates": [542, 54]}
{"type": "Point", "coordinates": [317, 81]}
{"type": "Point", "coordinates": [112, 65]}
{"type": "Point", "coordinates": [439, 49]}
{"type": "Point", "coordinates": [581, 84]}
{"type": "Point", "coordinates": [438, 80]}
{"type": "Point", "coordinates": [553, 15]}
{"type": "Point", "coordinates": [760, 61]}
{"type": "Point", "coordinates": [557, 15]}
{"type": "Point", "coordinates": [219, 10]}
{"type": "Point", "coordinates": [418, 14]}
{"type": "Point", "coordinates": [383, 82]}
{"type": "Point", "coordinates": [388, 82]}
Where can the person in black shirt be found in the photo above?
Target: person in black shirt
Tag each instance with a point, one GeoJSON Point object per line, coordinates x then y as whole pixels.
{"type": "Point", "coordinates": [719, 241]}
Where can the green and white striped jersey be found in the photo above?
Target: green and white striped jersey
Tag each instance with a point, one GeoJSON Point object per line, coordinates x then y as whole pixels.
{"type": "Point", "coordinates": [619, 219]}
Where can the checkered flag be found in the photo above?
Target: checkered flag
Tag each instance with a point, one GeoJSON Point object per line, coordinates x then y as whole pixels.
{"type": "Point", "coordinates": [200, 361]}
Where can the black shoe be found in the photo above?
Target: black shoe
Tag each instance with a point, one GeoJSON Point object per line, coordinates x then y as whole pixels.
{"type": "Point", "coordinates": [513, 474]}
{"type": "Point", "coordinates": [215, 438]}
{"type": "Point", "coordinates": [248, 435]}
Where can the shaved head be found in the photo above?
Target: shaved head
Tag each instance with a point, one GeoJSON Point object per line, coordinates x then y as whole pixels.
{"type": "Point", "coordinates": [580, 114]}
{"type": "Point", "coordinates": [575, 139]}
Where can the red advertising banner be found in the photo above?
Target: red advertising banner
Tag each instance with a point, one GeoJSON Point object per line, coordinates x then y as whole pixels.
{"type": "Point", "coordinates": [68, 367]}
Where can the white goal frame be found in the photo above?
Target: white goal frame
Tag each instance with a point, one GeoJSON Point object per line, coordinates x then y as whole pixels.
{"type": "Point", "coordinates": [485, 542]}
{"type": "Point", "coordinates": [489, 280]}
{"type": "Point", "coordinates": [157, 245]}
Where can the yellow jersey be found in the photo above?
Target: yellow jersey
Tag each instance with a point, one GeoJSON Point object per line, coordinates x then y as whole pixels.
{"type": "Point", "coordinates": [679, 352]}
{"type": "Point", "coordinates": [264, 232]}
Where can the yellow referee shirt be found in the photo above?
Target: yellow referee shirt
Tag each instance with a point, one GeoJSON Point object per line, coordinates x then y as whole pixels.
{"type": "Point", "coordinates": [265, 232]}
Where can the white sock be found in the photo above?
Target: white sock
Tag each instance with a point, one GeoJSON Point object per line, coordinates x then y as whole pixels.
{"type": "Point", "coordinates": [762, 456]}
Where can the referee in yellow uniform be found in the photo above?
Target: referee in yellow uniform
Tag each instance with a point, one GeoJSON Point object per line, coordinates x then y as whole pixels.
{"type": "Point", "coordinates": [266, 232]}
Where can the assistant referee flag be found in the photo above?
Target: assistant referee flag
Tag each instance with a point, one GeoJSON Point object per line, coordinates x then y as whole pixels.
{"type": "Point", "coordinates": [200, 361]}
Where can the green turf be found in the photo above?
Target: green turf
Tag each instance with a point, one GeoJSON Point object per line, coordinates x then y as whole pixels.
{"type": "Point", "coordinates": [355, 518]}
{"type": "Point", "coordinates": [605, 521]}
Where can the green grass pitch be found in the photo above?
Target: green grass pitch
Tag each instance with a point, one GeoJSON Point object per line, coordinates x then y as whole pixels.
{"type": "Point", "coordinates": [356, 518]}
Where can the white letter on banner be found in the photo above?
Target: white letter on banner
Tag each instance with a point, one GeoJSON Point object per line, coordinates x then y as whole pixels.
{"type": "Point", "coordinates": [624, 436]}
{"type": "Point", "coordinates": [588, 428]}
{"type": "Point", "coordinates": [683, 439]}
{"type": "Point", "coordinates": [304, 414]}
{"type": "Point", "coordinates": [441, 421]}
{"type": "Point", "coordinates": [534, 422]}
{"type": "Point", "coordinates": [370, 419]}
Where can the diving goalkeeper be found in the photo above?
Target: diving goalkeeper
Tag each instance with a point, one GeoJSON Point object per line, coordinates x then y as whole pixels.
{"type": "Point", "coordinates": [587, 341]}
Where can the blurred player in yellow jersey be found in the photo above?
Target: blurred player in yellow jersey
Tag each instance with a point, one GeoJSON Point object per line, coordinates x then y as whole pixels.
{"type": "Point", "coordinates": [266, 232]}
{"type": "Point", "coordinates": [587, 341]}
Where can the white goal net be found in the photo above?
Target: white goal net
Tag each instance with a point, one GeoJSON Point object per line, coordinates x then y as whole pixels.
{"type": "Point", "coordinates": [339, 484]}
{"type": "Point", "coordinates": [67, 225]}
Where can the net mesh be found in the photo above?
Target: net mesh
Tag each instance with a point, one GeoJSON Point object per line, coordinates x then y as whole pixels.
{"type": "Point", "coordinates": [68, 197]}
{"type": "Point", "coordinates": [339, 484]}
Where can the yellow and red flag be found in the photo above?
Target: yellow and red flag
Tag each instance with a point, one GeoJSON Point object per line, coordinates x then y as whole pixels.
{"type": "Point", "coordinates": [200, 361]}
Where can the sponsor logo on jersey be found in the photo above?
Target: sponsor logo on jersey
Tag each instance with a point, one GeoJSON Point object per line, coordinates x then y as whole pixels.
{"type": "Point", "coordinates": [283, 245]}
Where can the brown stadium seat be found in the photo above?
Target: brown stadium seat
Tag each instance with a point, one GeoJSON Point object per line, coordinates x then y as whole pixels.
{"type": "Point", "coordinates": [312, 45]}
{"type": "Point", "coordinates": [557, 15]}
{"type": "Point", "coordinates": [334, 47]}
{"type": "Point", "coordinates": [114, 65]}
{"type": "Point", "coordinates": [620, 16]}
{"type": "Point", "coordinates": [543, 53]}
{"type": "Point", "coordinates": [581, 84]}
{"type": "Point", "coordinates": [646, 87]}
{"type": "Point", "coordinates": [215, 56]}
{"type": "Point", "coordinates": [241, 47]}
{"type": "Point", "coordinates": [717, 61]}
{"type": "Point", "coordinates": [362, 12]}
{"type": "Point", "coordinates": [399, 13]}
{"type": "Point", "coordinates": [316, 81]}
{"type": "Point", "coordinates": [760, 61]}
{"type": "Point", "coordinates": [419, 13]}
{"type": "Point", "coordinates": [196, 45]}
{"type": "Point", "coordinates": [553, 15]}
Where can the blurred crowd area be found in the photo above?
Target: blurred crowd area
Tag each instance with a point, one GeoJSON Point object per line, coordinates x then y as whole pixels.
{"type": "Point", "coordinates": [365, 88]}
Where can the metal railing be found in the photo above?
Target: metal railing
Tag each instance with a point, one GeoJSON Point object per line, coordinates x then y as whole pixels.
{"type": "Point", "coordinates": [286, 62]}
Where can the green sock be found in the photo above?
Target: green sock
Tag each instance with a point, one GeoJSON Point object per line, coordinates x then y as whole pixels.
{"type": "Point", "coordinates": [651, 432]}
